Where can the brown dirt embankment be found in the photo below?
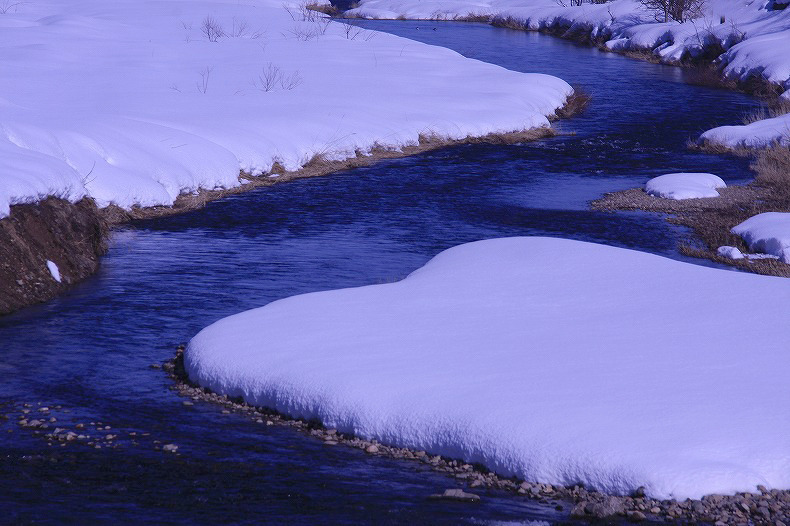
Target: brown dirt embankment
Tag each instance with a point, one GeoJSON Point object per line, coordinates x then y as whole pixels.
{"type": "Point", "coordinates": [73, 236]}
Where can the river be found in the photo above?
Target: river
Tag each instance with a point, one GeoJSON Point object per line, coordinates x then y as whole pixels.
{"type": "Point", "coordinates": [89, 352]}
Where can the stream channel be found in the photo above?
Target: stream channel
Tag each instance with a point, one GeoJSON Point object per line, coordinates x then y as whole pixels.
{"type": "Point", "coordinates": [89, 352]}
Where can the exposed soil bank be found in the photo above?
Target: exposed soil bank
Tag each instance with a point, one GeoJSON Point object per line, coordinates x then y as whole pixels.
{"type": "Point", "coordinates": [72, 236]}
{"type": "Point", "coordinates": [769, 507]}
{"type": "Point", "coordinates": [712, 218]}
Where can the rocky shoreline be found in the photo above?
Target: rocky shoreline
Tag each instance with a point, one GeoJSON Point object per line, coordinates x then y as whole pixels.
{"type": "Point", "coordinates": [768, 507]}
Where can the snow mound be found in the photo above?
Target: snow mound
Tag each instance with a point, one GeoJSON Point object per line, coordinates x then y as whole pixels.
{"type": "Point", "coordinates": [768, 232]}
{"type": "Point", "coordinates": [758, 134]}
{"type": "Point", "coordinates": [175, 97]}
{"type": "Point", "coordinates": [685, 185]}
{"type": "Point", "coordinates": [553, 360]}
{"type": "Point", "coordinates": [54, 270]}
{"type": "Point", "coordinates": [729, 252]}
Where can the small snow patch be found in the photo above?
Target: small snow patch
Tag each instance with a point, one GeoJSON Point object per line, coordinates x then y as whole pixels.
{"type": "Point", "coordinates": [685, 185]}
{"type": "Point", "coordinates": [768, 232]}
{"type": "Point", "coordinates": [54, 270]}
{"type": "Point", "coordinates": [730, 252]}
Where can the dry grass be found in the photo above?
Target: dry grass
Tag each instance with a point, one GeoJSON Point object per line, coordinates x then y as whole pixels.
{"type": "Point", "coordinates": [712, 218]}
{"type": "Point", "coordinates": [768, 110]}
{"type": "Point", "coordinates": [708, 75]}
{"type": "Point", "coordinates": [575, 104]}
{"type": "Point", "coordinates": [329, 10]}
{"type": "Point", "coordinates": [474, 17]}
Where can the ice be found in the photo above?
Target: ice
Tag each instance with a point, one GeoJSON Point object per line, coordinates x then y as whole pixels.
{"type": "Point", "coordinates": [685, 185]}
{"type": "Point", "coordinates": [54, 270]}
{"type": "Point", "coordinates": [131, 103]}
{"type": "Point", "coordinates": [553, 360]}
{"type": "Point", "coordinates": [768, 232]}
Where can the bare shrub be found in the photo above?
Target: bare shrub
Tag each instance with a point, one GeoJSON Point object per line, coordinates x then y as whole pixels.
{"type": "Point", "coordinates": [202, 84]}
{"type": "Point", "coordinates": [212, 29]}
{"type": "Point", "coordinates": [306, 32]}
{"type": "Point", "coordinates": [674, 10]}
{"type": "Point", "coordinates": [7, 5]}
{"type": "Point", "coordinates": [272, 76]}
{"type": "Point", "coordinates": [351, 31]}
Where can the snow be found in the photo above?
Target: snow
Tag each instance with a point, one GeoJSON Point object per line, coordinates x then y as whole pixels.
{"type": "Point", "coordinates": [758, 134]}
{"type": "Point", "coordinates": [685, 185]}
{"type": "Point", "coordinates": [54, 270]}
{"type": "Point", "coordinates": [553, 360]}
{"type": "Point", "coordinates": [768, 232]}
{"type": "Point", "coordinates": [131, 103]}
{"type": "Point", "coordinates": [730, 252]}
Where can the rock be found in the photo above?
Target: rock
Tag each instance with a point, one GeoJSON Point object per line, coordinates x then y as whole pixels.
{"type": "Point", "coordinates": [655, 509]}
{"type": "Point", "coordinates": [639, 493]}
{"type": "Point", "coordinates": [635, 516]}
{"type": "Point", "coordinates": [187, 402]}
{"type": "Point", "coordinates": [579, 510]}
{"type": "Point", "coordinates": [608, 507]}
{"type": "Point", "coordinates": [170, 448]}
{"type": "Point", "coordinates": [698, 507]}
{"type": "Point", "coordinates": [373, 448]}
{"type": "Point", "coordinates": [457, 495]}
{"type": "Point", "coordinates": [330, 442]}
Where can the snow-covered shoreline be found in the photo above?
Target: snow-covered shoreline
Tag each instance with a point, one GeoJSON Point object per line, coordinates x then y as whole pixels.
{"type": "Point", "coordinates": [135, 105]}
{"type": "Point", "coordinates": [745, 42]}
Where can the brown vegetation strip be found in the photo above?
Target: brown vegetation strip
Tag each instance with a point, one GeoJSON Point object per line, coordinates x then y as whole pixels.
{"type": "Point", "coordinates": [712, 218]}
{"type": "Point", "coordinates": [768, 507]}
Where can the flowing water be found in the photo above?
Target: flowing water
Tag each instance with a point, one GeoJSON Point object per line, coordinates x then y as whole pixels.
{"type": "Point", "coordinates": [89, 351]}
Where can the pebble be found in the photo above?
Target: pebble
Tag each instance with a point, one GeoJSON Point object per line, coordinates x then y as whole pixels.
{"type": "Point", "coordinates": [170, 448]}
{"type": "Point", "coordinates": [457, 495]}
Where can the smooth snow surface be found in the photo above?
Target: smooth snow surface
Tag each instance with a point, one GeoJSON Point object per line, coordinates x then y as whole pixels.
{"type": "Point", "coordinates": [685, 185]}
{"type": "Point", "coordinates": [768, 232]}
{"type": "Point", "coordinates": [132, 102]}
{"type": "Point", "coordinates": [554, 360]}
{"type": "Point", "coordinates": [54, 270]}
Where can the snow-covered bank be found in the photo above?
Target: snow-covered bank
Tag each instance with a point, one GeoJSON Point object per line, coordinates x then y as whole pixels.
{"type": "Point", "coordinates": [554, 360]}
{"type": "Point", "coordinates": [751, 37]}
{"type": "Point", "coordinates": [134, 103]}
{"type": "Point", "coordinates": [747, 41]}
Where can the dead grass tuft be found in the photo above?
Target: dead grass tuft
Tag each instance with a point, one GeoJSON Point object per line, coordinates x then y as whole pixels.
{"type": "Point", "coordinates": [708, 75]}
{"type": "Point", "coordinates": [474, 17]}
{"type": "Point", "coordinates": [575, 104]}
{"type": "Point", "coordinates": [769, 109]}
{"type": "Point", "coordinates": [772, 168]}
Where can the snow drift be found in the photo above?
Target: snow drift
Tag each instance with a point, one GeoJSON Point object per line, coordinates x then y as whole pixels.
{"type": "Point", "coordinates": [554, 360]}
{"type": "Point", "coordinates": [768, 232]}
{"type": "Point", "coordinates": [135, 103]}
{"type": "Point", "coordinates": [685, 185]}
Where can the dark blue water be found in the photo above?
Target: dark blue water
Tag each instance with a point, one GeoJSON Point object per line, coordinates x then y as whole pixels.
{"type": "Point", "coordinates": [89, 352]}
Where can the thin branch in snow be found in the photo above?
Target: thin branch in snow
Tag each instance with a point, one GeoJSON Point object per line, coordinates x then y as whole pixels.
{"type": "Point", "coordinates": [212, 29]}
{"type": "Point", "coordinates": [205, 75]}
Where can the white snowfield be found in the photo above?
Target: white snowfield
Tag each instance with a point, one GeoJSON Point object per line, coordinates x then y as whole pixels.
{"type": "Point", "coordinates": [554, 360]}
{"type": "Point", "coordinates": [685, 185]}
{"type": "Point", "coordinates": [768, 232]}
{"type": "Point", "coordinates": [134, 103]}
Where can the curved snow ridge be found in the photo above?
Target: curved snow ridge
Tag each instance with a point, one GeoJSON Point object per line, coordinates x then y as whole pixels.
{"type": "Point", "coordinates": [685, 185]}
{"type": "Point", "coordinates": [163, 109]}
{"type": "Point", "coordinates": [553, 360]}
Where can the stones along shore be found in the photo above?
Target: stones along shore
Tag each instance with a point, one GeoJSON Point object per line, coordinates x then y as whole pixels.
{"type": "Point", "coordinates": [765, 507]}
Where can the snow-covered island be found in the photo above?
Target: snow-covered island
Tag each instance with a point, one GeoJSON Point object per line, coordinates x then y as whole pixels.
{"type": "Point", "coordinates": [552, 360]}
{"type": "Point", "coordinates": [685, 185]}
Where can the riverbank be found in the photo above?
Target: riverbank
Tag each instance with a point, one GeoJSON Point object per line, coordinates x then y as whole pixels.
{"type": "Point", "coordinates": [711, 219]}
{"type": "Point", "coordinates": [75, 236]}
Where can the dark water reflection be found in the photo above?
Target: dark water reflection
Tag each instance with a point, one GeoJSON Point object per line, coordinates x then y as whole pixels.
{"type": "Point", "coordinates": [164, 280]}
